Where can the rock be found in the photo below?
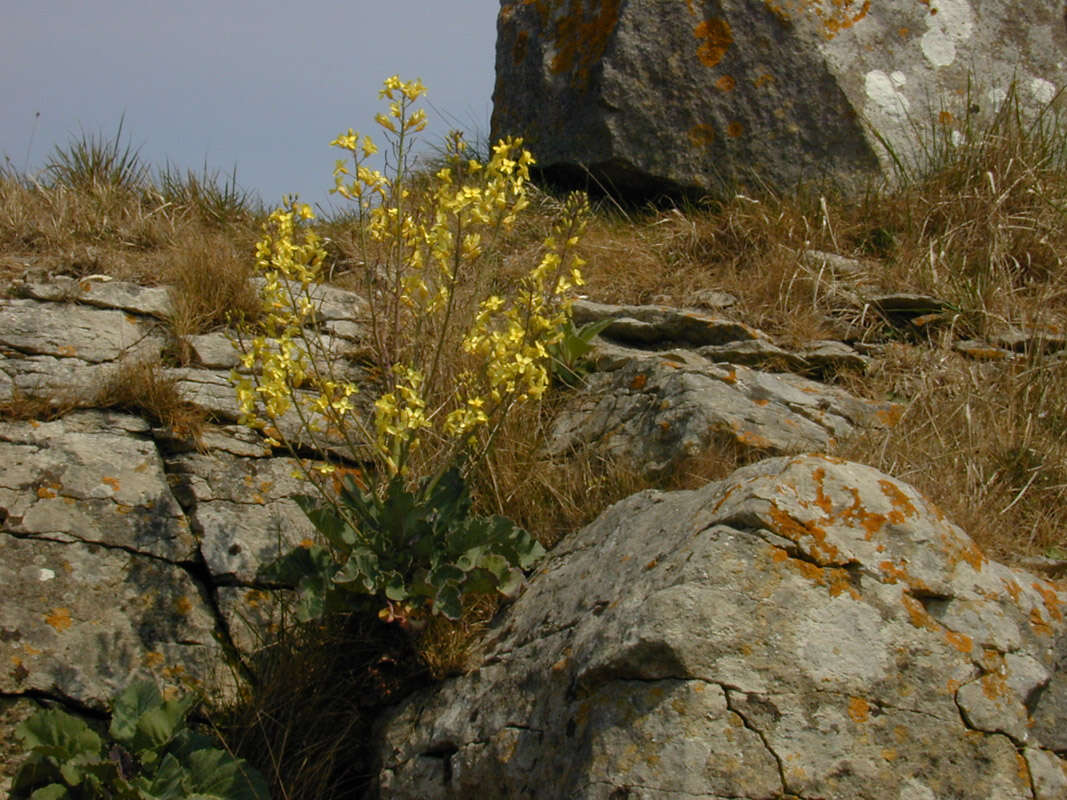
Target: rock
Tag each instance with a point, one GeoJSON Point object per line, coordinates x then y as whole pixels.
{"type": "Point", "coordinates": [86, 478]}
{"type": "Point", "coordinates": [836, 265]}
{"type": "Point", "coordinates": [102, 291]}
{"type": "Point", "coordinates": [827, 357]}
{"type": "Point", "coordinates": [645, 98]}
{"type": "Point", "coordinates": [906, 305]}
{"type": "Point", "coordinates": [982, 351]}
{"type": "Point", "coordinates": [654, 409]}
{"type": "Point", "coordinates": [1037, 338]}
{"type": "Point", "coordinates": [60, 381]}
{"type": "Point", "coordinates": [241, 509]}
{"type": "Point", "coordinates": [89, 618]}
{"type": "Point", "coordinates": [661, 324]}
{"type": "Point", "coordinates": [791, 630]}
{"type": "Point", "coordinates": [71, 331]}
{"type": "Point", "coordinates": [714, 299]}
{"type": "Point", "coordinates": [330, 302]}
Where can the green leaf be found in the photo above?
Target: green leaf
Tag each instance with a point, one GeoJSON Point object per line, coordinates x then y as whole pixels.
{"type": "Point", "coordinates": [53, 791]}
{"type": "Point", "coordinates": [158, 725]}
{"type": "Point", "coordinates": [361, 572]}
{"type": "Point", "coordinates": [168, 781]}
{"type": "Point", "coordinates": [60, 735]}
{"type": "Point", "coordinates": [444, 574]}
{"type": "Point", "coordinates": [496, 564]}
{"type": "Point", "coordinates": [213, 773]}
{"type": "Point", "coordinates": [448, 601]}
{"type": "Point", "coordinates": [127, 708]}
{"type": "Point", "coordinates": [395, 587]}
{"type": "Point", "coordinates": [326, 519]}
{"type": "Point", "coordinates": [511, 584]}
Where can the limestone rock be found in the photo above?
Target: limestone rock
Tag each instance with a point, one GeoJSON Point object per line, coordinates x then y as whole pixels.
{"type": "Point", "coordinates": [783, 632]}
{"type": "Point", "coordinates": [660, 324]}
{"type": "Point", "coordinates": [86, 478]}
{"type": "Point", "coordinates": [241, 508]}
{"type": "Point", "coordinates": [654, 410]}
{"type": "Point", "coordinates": [88, 618]}
{"type": "Point", "coordinates": [101, 291]}
{"type": "Point", "coordinates": [646, 97]}
{"type": "Point", "coordinates": [90, 334]}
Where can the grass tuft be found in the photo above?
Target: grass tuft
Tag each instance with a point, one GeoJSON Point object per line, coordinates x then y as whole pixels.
{"type": "Point", "coordinates": [140, 387]}
{"type": "Point", "coordinates": [93, 163]}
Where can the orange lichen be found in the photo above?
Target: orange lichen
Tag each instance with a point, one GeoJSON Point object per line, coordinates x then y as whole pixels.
{"type": "Point", "coordinates": [59, 619]}
{"type": "Point", "coordinates": [857, 515]}
{"type": "Point", "coordinates": [639, 381]}
{"type": "Point", "coordinates": [859, 709]}
{"type": "Point", "coordinates": [183, 605]}
{"type": "Point", "coordinates": [518, 54]}
{"type": "Point", "coordinates": [889, 754]}
{"type": "Point", "coordinates": [917, 613]}
{"type": "Point", "coordinates": [1023, 769]}
{"type": "Point", "coordinates": [822, 500]}
{"type": "Point", "coordinates": [890, 416]}
{"type": "Point", "coordinates": [753, 439]}
{"type": "Point", "coordinates": [1051, 598]}
{"type": "Point", "coordinates": [961, 641]}
{"type": "Point", "coordinates": [834, 15]}
{"type": "Point", "coordinates": [715, 39]}
{"type": "Point", "coordinates": [112, 482]}
{"type": "Point", "coordinates": [735, 129]}
{"type": "Point", "coordinates": [726, 83]}
{"type": "Point", "coordinates": [579, 29]}
{"type": "Point", "coordinates": [946, 118]}
{"type": "Point", "coordinates": [796, 530]}
{"type": "Point", "coordinates": [1038, 623]}
{"type": "Point", "coordinates": [763, 80]}
{"type": "Point", "coordinates": [897, 498]}
{"type": "Point", "coordinates": [994, 686]}
{"type": "Point", "coordinates": [45, 492]}
{"type": "Point", "coordinates": [701, 135]}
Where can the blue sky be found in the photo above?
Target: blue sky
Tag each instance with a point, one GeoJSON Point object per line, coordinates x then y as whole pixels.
{"type": "Point", "coordinates": [264, 85]}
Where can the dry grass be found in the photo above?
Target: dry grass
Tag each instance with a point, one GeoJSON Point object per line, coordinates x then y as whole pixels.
{"type": "Point", "coordinates": [208, 280]}
{"type": "Point", "coordinates": [986, 441]}
{"type": "Point", "coordinates": [140, 387]}
{"type": "Point", "coordinates": [306, 723]}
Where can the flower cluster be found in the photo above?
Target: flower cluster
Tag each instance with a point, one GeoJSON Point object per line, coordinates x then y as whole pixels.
{"type": "Point", "coordinates": [450, 364]}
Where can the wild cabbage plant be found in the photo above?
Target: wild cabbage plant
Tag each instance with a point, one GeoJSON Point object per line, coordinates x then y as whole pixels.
{"type": "Point", "coordinates": [148, 753]}
{"type": "Point", "coordinates": [452, 357]}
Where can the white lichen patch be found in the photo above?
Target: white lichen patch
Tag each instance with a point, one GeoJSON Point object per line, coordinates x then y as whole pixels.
{"type": "Point", "coordinates": [949, 23]}
{"type": "Point", "coordinates": [44, 574]}
{"type": "Point", "coordinates": [996, 97]}
{"type": "Point", "coordinates": [884, 91]}
{"type": "Point", "coordinates": [1042, 90]}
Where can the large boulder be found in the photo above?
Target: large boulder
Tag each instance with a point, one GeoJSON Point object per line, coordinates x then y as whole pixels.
{"type": "Point", "coordinates": [804, 628]}
{"type": "Point", "coordinates": [646, 96]}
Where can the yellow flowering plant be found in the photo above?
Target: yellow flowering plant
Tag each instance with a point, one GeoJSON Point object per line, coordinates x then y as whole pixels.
{"type": "Point", "coordinates": [450, 361]}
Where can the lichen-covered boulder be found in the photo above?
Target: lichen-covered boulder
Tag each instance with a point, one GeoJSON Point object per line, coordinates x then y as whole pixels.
{"type": "Point", "coordinates": [650, 96]}
{"type": "Point", "coordinates": [806, 627]}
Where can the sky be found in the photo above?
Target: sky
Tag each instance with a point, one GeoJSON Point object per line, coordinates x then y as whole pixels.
{"type": "Point", "coordinates": [259, 84]}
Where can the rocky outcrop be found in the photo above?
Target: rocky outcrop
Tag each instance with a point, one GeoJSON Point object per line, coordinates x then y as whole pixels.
{"type": "Point", "coordinates": [645, 97]}
{"type": "Point", "coordinates": [813, 626]}
{"type": "Point", "coordinates": [127, 550]}
{"type": "Point", "coordinates": [804, 628]}
{"type": "Point", "coordinates": [669, 384]}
